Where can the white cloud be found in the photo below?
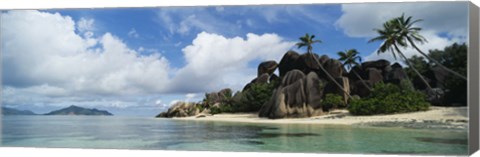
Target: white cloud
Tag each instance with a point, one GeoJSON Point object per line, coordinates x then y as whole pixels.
{"type": "Point", "coordinates": [190, 95]}
{"type": "Point", "coordinates": [84, 25]}
{"type": "Point", "coordinates": [43, 55]}
{"type": "Point", "coordinates": [359, 20]}
{"type": "Point", "coordinates": [46, 62]}
{"type": "Point", "coordinates": [211, 67]}
{"type": "Point", "coordinates": [133, 33]}
{"type": "Point", "coordinates": [183, 21]}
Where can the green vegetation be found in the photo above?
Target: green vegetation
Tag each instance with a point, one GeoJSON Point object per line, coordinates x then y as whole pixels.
{"type": "Point", "coordinates": [332, 101]}
{"type": "Point", "coordinates": [251, 100]}
{"type": "Point", "coordinates": [75, 110]}
{"type": "Point", "coordinates": [454, 57]}
{"type": "Point", "coordinates": [394, 34]}
{"type": "Point", "coordinates": [349, 59]}
{"type": "Point", "coordinates": [12, 111]}
{"type": "Point", "coordinates": [254, 97]}
{"type": "Point", "coordinates": [389, 99]}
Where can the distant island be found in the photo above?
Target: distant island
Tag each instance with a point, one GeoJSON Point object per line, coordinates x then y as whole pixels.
{"type": "Point", "coordinates": [75, 110]}
{"type": "Point", "coordinates": [71, 110]}
{"type": "Point", "coordinates": [12, 111]}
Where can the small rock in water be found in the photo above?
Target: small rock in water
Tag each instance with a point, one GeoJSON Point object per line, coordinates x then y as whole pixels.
{"type": "Point", "coordinates": [462, 121]}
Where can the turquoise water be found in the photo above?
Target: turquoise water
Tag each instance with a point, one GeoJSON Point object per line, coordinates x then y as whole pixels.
{"type": "Point", "coordinates": [114, 132]}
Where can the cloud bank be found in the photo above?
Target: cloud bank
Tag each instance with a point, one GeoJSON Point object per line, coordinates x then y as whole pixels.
{"type": "Point", "coordinates": [49, 59]}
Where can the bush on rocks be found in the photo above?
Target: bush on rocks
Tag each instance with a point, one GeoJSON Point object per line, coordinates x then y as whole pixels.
{"type": "Point", "coordinates": [389, 99]}
{"type": "Point", "coordinates": [332, 101]}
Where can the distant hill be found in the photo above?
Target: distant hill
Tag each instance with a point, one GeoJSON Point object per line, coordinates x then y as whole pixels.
{"type": "Point", "coordinates": [75, 110]}
{"type": "Point", "coordinates": [12, 111]}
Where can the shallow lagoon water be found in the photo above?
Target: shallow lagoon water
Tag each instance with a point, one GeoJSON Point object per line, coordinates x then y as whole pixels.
{"type": "Point", "coordinates": [115, 132]}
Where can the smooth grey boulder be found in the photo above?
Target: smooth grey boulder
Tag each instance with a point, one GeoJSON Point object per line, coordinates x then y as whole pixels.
{"type": "Point", "coordinates": [288, 62]}
{"type": "Point", "coordinates": [267, 67]}
{"type": "Point", "coordinates": [374, 75]}
{"type": "Point", "coordinates": [297, 96]}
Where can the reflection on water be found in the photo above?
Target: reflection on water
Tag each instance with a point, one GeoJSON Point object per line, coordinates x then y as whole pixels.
{"type": "Point", "coordinates": [167, 134]}
{"type": "Point", "coordinates": [401, 152]}
{"type": "Point", "coordinates": [442, 140]}
{"type": "Point", "coordinates": [275, 135]}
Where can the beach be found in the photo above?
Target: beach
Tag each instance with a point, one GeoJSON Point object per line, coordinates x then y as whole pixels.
{"type": "Point", "coordinates": [434, 118]}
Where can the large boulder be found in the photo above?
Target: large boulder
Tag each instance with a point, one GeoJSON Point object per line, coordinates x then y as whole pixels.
{"type": "Point", "coordinates": [437, 76]}
{"type": "Point", "coordinates": [360, 89]}
{"type": "Point", "coordinates": [181, 109]}
{"type": "Point", "coordinates": [396, 74]}
{"type": "Point", "coordinates": [297, 96]}
{"type": "Point", "coordinates": [323, 59]}
{"type": "Point", "coordinates": [217, 97]}
{"type": "Point", "coordinates": [359, 71]}
{"type": "Point", "coordinates": [274, 78]}
{"type": "Point", "coordinates": [379, 64]}
{"type": "Point", "coordinates": [262, 79]}
{"type": "Point", "coordinates": [374, 75]}
{"type": "Point", "coordinates": [312, 91]}
{"type": "Point", "coordinates": [267, 67]}
{"type": "Point", "coordinates": [292, 60]}
{"type": "Point", "coordinates": [332, 87]}
{"type": "Point", "coordinates": [333, 67]}
{"type": "Point", "coordinates": [292, 77]}
{"type": "Point", "coordinates": [227, 92]}
{"type": "Point", "coordinates": [436, 96]}
{"type": "Point", "coordinates": [288, 62]}
{"type": "Point", "coordinates": [307, 63]}
{"type": "Point", "coordinates": [419, 84]}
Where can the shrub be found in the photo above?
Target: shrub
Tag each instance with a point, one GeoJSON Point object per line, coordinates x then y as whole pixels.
{"type": "Point", "coordinates": [388, 99]}
{"type": "Point", "coordinates": [332, 101]}
{"type": "Point", "coordinates": [215, 110]}
{"type": "Point", "coordinates": [406, 85]}
{"type": "Point", "coordinates": [253, 98]}
{"type": "Point", "coordinates": [223, 108]}
{"type": "Point", "coordinates": [200, 106]}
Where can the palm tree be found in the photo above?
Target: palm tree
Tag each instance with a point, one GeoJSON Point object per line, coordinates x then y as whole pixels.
{"type": "Point", "coordinates": [308, 41]}
{"type": "Point", "coordinates": [391, 37]}
{"type": "Point", "coordinates": [410, 33]}
{"type": "Point", "coordinates": [349, 58]}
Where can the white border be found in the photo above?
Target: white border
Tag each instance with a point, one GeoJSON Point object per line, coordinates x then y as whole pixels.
{"type": "Point", "coordinates": [53, 4]}
{"type": "Point", "coordinates": [50, 4]}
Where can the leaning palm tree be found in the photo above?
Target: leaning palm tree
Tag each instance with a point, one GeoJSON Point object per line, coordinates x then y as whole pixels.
{"type": "Point", "coordinates": [392, 38]}
{"type": "Point", "coordinates": [410, 33]}
{"type": "Point", "coordinates": [350, 58]}
{"type": "Point", "coordinates": [307, 41]}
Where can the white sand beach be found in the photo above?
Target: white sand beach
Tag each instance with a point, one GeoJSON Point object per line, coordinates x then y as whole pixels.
{"type": "Point", "coordinates": [436, 117]}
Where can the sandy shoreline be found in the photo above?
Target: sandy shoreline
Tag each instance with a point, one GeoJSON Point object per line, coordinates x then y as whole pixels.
{"type": "Point", "coordinates": [435, 118]}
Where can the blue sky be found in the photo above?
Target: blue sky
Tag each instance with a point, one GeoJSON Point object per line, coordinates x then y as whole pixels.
{"type": "Point", "coordinates": [289, 22]}
{"type": "Point", "coordinates": [138, 61]}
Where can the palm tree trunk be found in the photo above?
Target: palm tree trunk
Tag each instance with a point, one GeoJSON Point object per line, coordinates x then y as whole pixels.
{"type": "Point", "coordinates": [363, 81]}
{"type": "Point", "coordinates": [413, 68]}
{"type": "Point", "coordinates": [436, 62]}
{"type": "Point", "coordinates": [330, 76]}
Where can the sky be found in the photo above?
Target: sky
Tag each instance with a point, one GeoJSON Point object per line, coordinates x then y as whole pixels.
{"type": "Point", "coordinates": [139, 61]}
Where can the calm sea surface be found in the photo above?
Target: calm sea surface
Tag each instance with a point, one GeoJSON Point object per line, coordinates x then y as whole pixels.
{"type": "Point", "coordinates": [166, 134]}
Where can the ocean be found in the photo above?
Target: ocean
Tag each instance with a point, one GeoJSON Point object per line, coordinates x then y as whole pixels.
{"type": "Point", "coordinates": [144, 133]}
